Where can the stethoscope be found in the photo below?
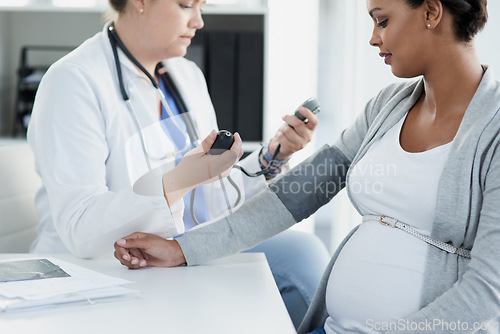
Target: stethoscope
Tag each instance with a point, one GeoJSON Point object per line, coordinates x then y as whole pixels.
{"type": "Point", "coordinates": [190, 134]}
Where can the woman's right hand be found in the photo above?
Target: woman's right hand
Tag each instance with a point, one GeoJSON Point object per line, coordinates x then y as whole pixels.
{"type": "Point", "coordinates": [199, 167]}
{"type": "Point", "coordinates": [139, 250]}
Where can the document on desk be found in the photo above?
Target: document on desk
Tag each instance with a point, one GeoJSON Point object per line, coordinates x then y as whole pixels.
{"type": "Point", "coordinates": [32, 269]}
{"type": "Point", "coordinates": [48, 281]}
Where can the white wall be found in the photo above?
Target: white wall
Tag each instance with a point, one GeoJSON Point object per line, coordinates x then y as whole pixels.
{"type": "Point", "coordinates": [488, 41]}
{"type": "Point", "coordinates": [292, 58]}
{"type": "Point", "coordinates": [292, 66]}
{"type": "Point", "coordinates": [351, 72]}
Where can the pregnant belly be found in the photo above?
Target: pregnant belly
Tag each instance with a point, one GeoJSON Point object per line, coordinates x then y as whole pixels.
{"type": "Point", "coordinates": [377, 278]}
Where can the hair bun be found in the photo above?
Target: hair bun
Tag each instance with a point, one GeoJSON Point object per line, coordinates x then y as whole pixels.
{"type": "Point", "coordinates": [469, 16]}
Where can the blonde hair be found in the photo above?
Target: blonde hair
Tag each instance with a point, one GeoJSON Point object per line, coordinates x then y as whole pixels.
{"type": "Point", "coordinates": [117, 7]}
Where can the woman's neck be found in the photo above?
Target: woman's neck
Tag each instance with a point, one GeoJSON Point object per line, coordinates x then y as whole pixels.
{"type": "Point", "coordinates": [135, 43]}
{"type": "Point", "coordinates": [452, 81]}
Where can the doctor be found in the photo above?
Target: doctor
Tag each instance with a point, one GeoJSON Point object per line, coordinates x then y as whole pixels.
{"type": "Point", "coordinates": [100, 131]}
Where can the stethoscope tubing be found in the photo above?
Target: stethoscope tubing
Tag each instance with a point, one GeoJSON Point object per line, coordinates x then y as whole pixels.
{"type": "Point", "coordinates": [114, 40]}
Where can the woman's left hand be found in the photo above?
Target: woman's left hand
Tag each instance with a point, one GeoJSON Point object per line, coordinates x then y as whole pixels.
{"type": "Point", "coordinates": [294, 135]}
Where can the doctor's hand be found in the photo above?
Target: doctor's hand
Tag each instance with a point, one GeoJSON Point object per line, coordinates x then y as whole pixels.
{"type": "Point", "coordinates": [199, 167]}
{"type": "Point", "coordinates": [139, 250]}
{"type": "Point", "coordinates": [294, 135]}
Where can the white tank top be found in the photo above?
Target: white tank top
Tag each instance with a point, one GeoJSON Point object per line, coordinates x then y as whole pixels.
{"type": "Point", "coordinates": [377, 279]}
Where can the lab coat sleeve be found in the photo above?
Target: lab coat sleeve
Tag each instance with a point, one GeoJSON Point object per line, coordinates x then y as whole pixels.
{"type": "Point", "coordinates": [69, 140]}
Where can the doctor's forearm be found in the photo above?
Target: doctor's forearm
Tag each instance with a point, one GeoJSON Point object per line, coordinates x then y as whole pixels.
{"type": "Point", "coordinates": [173, 190]}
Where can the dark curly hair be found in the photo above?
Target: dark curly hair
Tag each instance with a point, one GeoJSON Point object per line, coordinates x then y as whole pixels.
{"type": "Point", "coordinates": [470, 16]}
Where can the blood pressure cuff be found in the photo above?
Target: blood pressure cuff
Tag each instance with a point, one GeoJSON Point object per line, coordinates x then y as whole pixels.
{"type": "Point", "coordinates": [312, 183]}
{"type": "Point", "coordinates": [287, 200]}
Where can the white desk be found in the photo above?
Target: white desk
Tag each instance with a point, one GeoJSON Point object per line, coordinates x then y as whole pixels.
{"type": "Point", "coordinates": [6, 141]}
{"type": "Point", "coordinates": [236, 294]}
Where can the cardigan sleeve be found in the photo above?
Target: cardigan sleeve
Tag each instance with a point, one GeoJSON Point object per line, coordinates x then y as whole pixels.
{"type": "Point", "coordinates": [271, 211]}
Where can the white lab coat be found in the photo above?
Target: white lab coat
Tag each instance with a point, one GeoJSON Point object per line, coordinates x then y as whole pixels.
{"type": "Point", "coordinates": [82, 136]}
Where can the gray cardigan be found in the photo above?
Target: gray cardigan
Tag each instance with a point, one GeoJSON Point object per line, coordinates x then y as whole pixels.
{"type": "Point", "coordinates": [457, 290]}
